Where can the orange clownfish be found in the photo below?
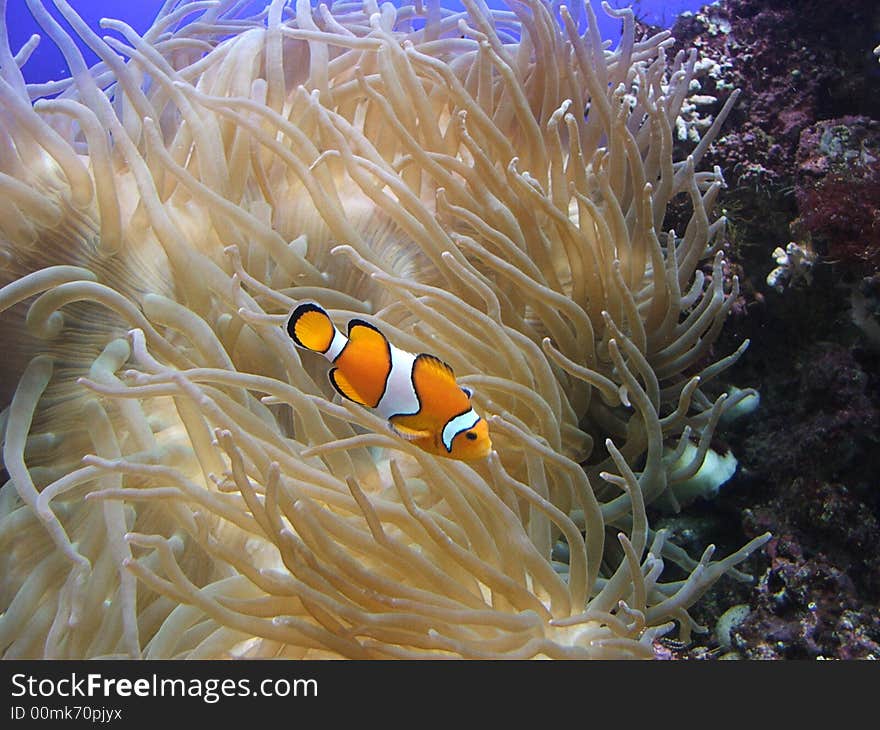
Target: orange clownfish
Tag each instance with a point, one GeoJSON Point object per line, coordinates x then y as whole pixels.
{"type": "Point", "coordinates": [416, 393]}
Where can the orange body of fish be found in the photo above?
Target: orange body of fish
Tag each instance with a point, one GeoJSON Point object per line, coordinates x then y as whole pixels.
{"type": "Point", "coordinates": [418, 394]}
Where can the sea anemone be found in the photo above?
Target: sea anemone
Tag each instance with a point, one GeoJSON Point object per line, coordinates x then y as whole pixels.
{"type": "Point", "coordinates": [488, 186]}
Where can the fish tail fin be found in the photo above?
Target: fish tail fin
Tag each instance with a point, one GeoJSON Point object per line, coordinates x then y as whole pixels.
{"type": "Point", "coordinates": [311, 328]}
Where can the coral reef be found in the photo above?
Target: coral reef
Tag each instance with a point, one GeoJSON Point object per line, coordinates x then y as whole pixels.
{"type": "Point", "coordinates": [799, 156]}
{"type": "Point", "coordinates": [795, 63]}
{"type": "Point", "coordinates": [802, 68]}
{"type": "Point", "coordinates": [818, 597]}
{"type": "Point", "coordinates": [808, 466]}
{"type": "Point", "coordinates": [837, 188]}
{"type": "Point", "coordinates": [822, 420]}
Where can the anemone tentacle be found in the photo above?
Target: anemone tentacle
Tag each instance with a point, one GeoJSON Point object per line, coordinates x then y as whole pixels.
{"type": "Point", "coordinates": [489, 186]}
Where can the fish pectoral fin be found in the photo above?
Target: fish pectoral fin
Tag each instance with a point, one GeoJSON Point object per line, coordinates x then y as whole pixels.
{"type": "Point", "coordinates": [410, 434]}
{"type": "Point", "coordinates": [344, 387]}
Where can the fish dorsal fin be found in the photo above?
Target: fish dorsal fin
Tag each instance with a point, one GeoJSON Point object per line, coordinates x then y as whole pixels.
{"type": "Point", "coordinates": [361, 331]}
{"type": "Point", "coordinates": [435, 367]}
{"type": "Point", "coordinates": [410, 434]}
{"type": "Point", "coordinates": [345, 388]}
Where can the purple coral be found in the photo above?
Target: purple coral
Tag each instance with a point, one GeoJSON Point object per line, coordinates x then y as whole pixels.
{"type": "Point", "coordinates": [800, 156]}
{"type": "Point", "coordinates": [807, 604]}
{"type": "Point", "coordinates": [838, 187]}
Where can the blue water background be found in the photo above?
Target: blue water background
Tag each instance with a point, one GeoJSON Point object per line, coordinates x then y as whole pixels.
{"type": "Point", "coordinates": [46, 63]}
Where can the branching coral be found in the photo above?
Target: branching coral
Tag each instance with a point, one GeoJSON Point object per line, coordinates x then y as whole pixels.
{"type": "Point", "coordinates": [481, 186]}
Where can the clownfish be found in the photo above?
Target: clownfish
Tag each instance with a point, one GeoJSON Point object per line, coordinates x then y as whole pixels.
{"type": "Point", "coordinates": [417, 394]}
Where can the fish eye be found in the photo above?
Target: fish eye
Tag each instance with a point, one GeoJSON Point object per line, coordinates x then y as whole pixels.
{"type": "Point", "coordinates": [470, 436]}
